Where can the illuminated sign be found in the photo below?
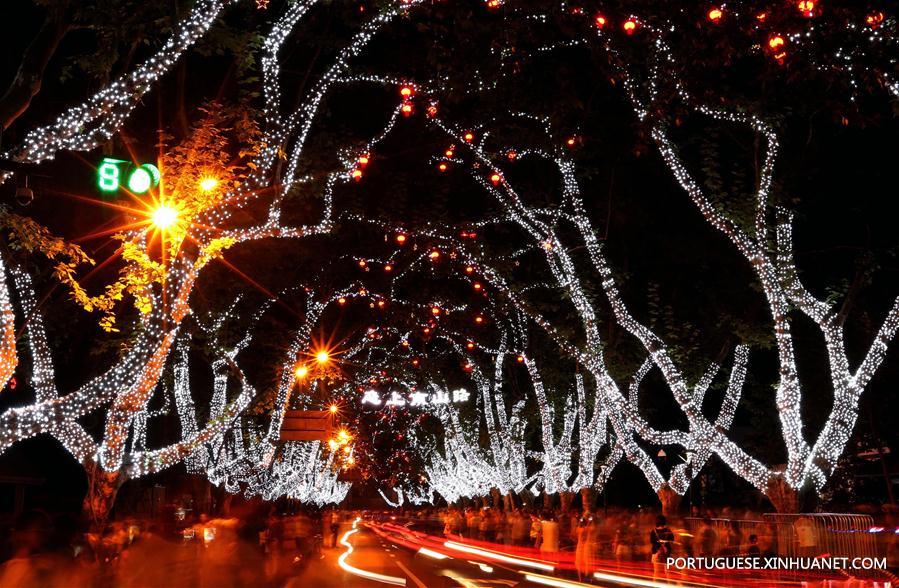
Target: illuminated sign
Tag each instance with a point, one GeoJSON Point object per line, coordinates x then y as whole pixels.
{"type": "Point", "coordinates": [138, 179]}
{"type": "Point", "coordinates": [373, 397]}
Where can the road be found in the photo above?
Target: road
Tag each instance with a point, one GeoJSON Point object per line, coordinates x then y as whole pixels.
{"type": "Point", "coordinates": [387, 555]}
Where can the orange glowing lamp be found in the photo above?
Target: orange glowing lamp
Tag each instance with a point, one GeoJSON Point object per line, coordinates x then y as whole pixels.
{"type": "Point", "coordinates": [715, 15]}
{"type": "Point", "coordinates": [164, 217]}
{"type": "Point", "coordinates": [630, 26]}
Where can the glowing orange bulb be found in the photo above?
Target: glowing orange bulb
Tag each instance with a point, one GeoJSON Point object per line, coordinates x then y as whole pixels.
{"type": "Point", "coordinates": [301, 372]}
{"type": "Point", "coordinates": [208, 184]}
{"type": "Point", "coordinates": [322, 357]}
{"type": "Point", "coordinates": [357, 174]}
{"type": "Point", "coordinates": [495, 178]}
{"type": "Point", "coordinates": [520, 359]}
{"type": "Point", "coordinates": [415, 362]}
{"type": "Point", "coordinates": [442, 167]}
{"type": "Point", "coordinates": [477, 286]}
{"type": "Point", "coordinates": [776, 42]}
{"type": "Point", "coordinates": [333, 408]}
{"type": "Point", "coordinates": [479, 319]}
{"type": "Point", "coordinates": [164, 217]}
{"type": "Point", "coordinates": [449, 153]}
{"type": "Point", "coordinates": [467, 367]}
{"type": "Point", "coordinates": [405, 343]}
{"type": "Point", "coordinates": [401, 238]}
{"type": "Point", "coordinates": [715, 14]}
{"type": "Point", "coordinates": [571, 142]}
{"type": "Point", "coordinates": [341, 300]}
{"type": "Point", "coordinates": [469, 345]}
{"type": "Point", "coordinates": [761, 16]}
{"type": "Point", "coordinates": [630, 26]}
{"type": "Point", "coordinates": [407, 109]}
{"type": "Point", "coordinates": [388, 268]}
{"type": "Point", "coordinates": [469, 136]}
{"type": "Point", "coordinates": [435, 310]}
{"type": "Point", "coordinates": [600, 21]}
{"type": "Point", "coordinates": [381, 304]}
{"type": "Point", "coordinates": [362, 263]}
{"type": "Point", "coordinates": [406, 91]}
{"type": "Point", "coordinates": [363, 160]}
{"type": "Point", "coordinates": [469, 269]}
{"type": "Point", "coordinates": [434, 254]}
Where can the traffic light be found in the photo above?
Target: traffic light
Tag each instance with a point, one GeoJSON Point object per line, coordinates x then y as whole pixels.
{"type": "Point", "coordinates": [138, 179]}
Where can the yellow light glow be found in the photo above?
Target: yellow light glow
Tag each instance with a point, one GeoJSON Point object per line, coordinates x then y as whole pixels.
{"type": "Point", "coordinates": [333, 408]}
{"type": "Point", "coordinates": [301, 372]}
{"type": "Point", "coordinates": [164, 216]}
{"type": "Point", "coordinates": [322, 357]}
{"type": "Point", "coordinates": [208, 184]}
{"type": "Point", "coordinates": [333, 444]}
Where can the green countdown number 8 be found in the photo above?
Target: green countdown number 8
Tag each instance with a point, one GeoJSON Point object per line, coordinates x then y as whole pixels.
{"type": "Point", "coordinates": [108, 176]}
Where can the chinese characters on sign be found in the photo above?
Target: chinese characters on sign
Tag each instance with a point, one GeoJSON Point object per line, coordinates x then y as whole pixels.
{"type": "Point", "coordinates": [373, 397]}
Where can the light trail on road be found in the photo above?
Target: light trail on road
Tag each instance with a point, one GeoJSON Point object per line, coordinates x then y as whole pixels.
{"type": "Point", "coordinates": [341, 561]}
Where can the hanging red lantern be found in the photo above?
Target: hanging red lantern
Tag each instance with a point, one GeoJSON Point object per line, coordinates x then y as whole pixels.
{"type": "Point", "coordinates": [806, 8]}
{"type": "Point", "coordinates": [357, 174]}
{"type": "Point", "coordinates": [630, 26]}
{"type": "Point", "coordinates": [495, 178]}
{"type": "Point", "coordinates": [715, 14]}
{"type": "Point", "coordinates": [600, 21]}
{"type": "Point", "coordinates": [401, 238]}
{"type": "Point", "coordinates": [468, 136]}
{"type": "Point", "coordinates": [874, 19]}
{"type": "Point", "coordinates": [406, 91]}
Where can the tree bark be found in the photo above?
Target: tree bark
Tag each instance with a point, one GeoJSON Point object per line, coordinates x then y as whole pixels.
{"type": "Point", "coordinates": [102, 488]}
{"type": "Point", "coordinates": [670, 501]}
{"type": "Point", "coordinates": [587, 498]}
{"type": "Point", "coordinates": [27, 83]}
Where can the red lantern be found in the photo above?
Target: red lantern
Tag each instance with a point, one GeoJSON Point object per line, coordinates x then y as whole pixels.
{"type": "Point", "coordinates": [630, 26]}
{"type": "Point", "coordinates": [874, 19]}
{"type": "Point", "coordinates": [806, 8]}
{"type": "Point", "coordinates": [600, 21]}
{"type": "Point", "coordinates": [715, 15]}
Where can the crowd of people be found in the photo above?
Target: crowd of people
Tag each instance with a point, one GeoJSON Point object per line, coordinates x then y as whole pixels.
{"type": "Point", "coordinates": [256, 550]}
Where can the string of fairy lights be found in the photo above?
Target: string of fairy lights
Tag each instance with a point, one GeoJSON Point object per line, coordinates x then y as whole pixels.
{"type": "Point", "coordinates": [607, 424]}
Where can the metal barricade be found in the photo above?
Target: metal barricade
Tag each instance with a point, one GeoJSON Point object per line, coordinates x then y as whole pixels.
{"type": "Point", "coordinates": [812, 534]}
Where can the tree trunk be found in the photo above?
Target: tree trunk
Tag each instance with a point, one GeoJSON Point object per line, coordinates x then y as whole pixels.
{"type": "Point", "coordinates": [102, 488]}
{"type": "Point", "coordinates": [789, 500]}
{"type": "Point", "coordinates": [565, 499]}
{"type": "Point", "coordinates": [587, 498]}
{"type": "Point", "coordinates": [497, 497]}
{"type": "Point", "coordinates": [29, 77]}
{"type": "Point", "coordinates": [509, 501]}
{"type": "Point", "coordinates": [670, 501]}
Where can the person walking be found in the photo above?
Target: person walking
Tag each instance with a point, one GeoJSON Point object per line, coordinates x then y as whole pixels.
{"type": "Point", "coordinates": [661, 541]}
